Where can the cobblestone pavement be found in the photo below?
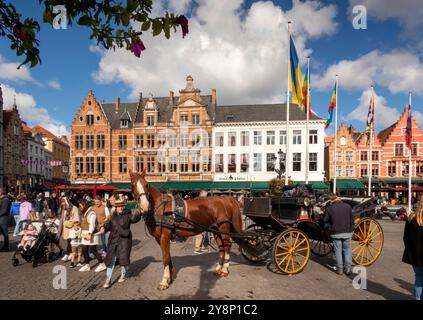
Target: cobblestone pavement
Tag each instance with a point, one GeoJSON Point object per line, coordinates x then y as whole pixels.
{"type": "Point", "coordinates": [388, 278]}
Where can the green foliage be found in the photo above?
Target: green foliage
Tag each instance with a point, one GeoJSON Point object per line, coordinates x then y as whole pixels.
{"type": "Point", "coordinates": [112, 24]}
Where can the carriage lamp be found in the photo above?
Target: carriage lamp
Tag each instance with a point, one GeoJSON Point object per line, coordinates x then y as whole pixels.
{"type": "Point", "coordinates": [307, 202]}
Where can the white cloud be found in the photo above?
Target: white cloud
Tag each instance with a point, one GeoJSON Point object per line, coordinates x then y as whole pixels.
{"type": "Point", "coordinates": [384, 115]}
{"type": "Point", "coordinates": [312, 13]}
{"type": "Point", "coordinates": [419, 118]}
{"type": "Point", "coordinates": [10, 71]}
{"type": "Point", "coordinates": [54, 84]}
{"type": "Point", "coordinates": [399, 71]}
{"type": "Point", "coordinates": [240, 52]}
{"type": "Point", "coordinates": [409, 13]}
{"type": "Point", "coordinates": [30, 112]}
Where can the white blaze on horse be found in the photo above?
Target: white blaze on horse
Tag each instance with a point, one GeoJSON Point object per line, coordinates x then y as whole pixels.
{"type": "Point", "coordinates": [220, 213]}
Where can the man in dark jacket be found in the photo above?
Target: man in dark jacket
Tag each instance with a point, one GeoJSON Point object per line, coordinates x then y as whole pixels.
{"type": "Point", "coordinates": [340, 219]}
{"type": "Point", "coordinates": [53, 204]}
{"type": "Point", "coordinates": [5, 205]}
{"type": "Point", "coordinates": [120, 240]}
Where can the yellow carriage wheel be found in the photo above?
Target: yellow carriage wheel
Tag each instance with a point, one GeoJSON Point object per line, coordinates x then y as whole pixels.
{"type": "Point", "coordinates": [367, 242]}
{"type": "Point", "coordinates": [291, 251]}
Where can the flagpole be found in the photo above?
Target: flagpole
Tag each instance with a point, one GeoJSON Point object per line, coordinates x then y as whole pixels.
{"type": "Point", "coordinates": [308, 119]}
{"type": "Point", "coordinates": [409, 161]}
{"type": "Point", "coordinates": [287, 107]}
{"type": "Point", "coordinates": [369, 193]}
{"type": "Point", "coordinates": [336, 131]}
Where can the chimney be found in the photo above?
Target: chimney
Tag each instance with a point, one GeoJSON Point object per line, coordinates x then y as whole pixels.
{"type": "Point", "coordinates": [213, 97]}
{"type": "Point", "coordinates": [171, 97]}
{"type": "Point", "coordinates": [117, 104]}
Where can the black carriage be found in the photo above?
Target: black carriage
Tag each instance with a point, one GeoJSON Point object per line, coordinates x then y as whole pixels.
{"type": "Point", "coordinates": [289, 225]}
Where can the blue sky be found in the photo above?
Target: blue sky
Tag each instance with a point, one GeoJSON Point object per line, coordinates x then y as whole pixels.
{"type": "Point", "coordinates": [237, 47]}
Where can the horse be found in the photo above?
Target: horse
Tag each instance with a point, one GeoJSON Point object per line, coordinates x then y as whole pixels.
{"type": "Point", "coordinates": [218, 213]}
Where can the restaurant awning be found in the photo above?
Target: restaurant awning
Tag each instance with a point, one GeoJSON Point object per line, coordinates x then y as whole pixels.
{"type": "Point", "coordinates": [317, 185]}
{"type": "Point", "coordinates": [349, 184]}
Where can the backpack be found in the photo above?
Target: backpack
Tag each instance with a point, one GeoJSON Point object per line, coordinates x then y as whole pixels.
{"type": "Point", "coordinates": [14, 210]}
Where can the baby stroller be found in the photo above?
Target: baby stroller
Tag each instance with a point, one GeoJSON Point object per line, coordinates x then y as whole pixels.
{"type": "Point", "coordinates": [39, 250]}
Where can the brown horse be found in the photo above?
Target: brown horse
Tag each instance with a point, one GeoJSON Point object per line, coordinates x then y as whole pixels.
{"type": "Point", "coordinates": [218, 213]}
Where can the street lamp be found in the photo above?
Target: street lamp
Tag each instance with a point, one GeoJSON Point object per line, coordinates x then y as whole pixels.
{"type": "Point", "coordinates": [281, 169]}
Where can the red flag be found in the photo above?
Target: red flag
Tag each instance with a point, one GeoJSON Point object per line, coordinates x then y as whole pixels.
{"type": "Point", "coordinates": [408, 130]}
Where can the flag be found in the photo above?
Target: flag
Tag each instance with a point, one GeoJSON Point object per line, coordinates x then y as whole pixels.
{"type": "Point", "coordinates": [295, 76]}
{"type": "Point", "coordinates": [332, 106]}
{"type": "Point", "coordinates": [370, 118]}
{"type": "Point", "coordinates": [305, 94]}
{"type": "Point", "coordinates": [408, 130]}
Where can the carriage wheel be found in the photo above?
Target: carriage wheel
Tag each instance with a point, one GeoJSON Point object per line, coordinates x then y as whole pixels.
{"type": "Point", "coordinates": [367, 242]}
{"type": "Point", "coordinates": [321, 248]}
{"type": "Point", "coordinates": [247, 256]}
{"type": "Point", "coordinates": [291, 251]}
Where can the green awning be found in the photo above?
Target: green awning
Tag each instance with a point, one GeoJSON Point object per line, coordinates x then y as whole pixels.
{"type": "Point", "coordinates": [349, 184]}
{"type": "Point", "coordinates": [317, 185]}
{"type": "Point", "coordinates": [122, 185]}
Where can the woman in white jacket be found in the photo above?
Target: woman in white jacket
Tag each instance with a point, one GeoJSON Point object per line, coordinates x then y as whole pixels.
{"type": "Point", "coordinates": [90, 240]}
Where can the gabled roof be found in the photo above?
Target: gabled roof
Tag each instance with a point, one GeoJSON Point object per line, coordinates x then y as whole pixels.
{"type": "Point", "coordinates": [260, 112]}
{"type": "Point", "coordinates": [124, 108]}
{"type": "Point", "coordinates": [46, 134]}
{"type": "Point", "coordinates": [355, 133]}
{"type": "Point", "coordinates": [135, 110]}
{"type": "Point", "coordinates": [384, 134]}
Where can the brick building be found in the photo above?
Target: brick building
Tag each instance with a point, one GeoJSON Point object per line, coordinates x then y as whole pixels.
{"type": "Point", "coordinates": [168, 136]}
{"type": "Point", "coordinates": [395, 154]}
{"type": "Point", "coordinates": [15, 150]}
{"type": "Point", "coordinates": [389, 156]}
{"type": "Point", "coordinates": [346, 154]}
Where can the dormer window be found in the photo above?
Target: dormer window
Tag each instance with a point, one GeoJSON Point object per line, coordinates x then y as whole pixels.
{"type": "Point", "coordinates": [150, 121]}
{"type": "Point", "coordinates": [90, 120]}
{"type": "Point", "coordinates": [124, 123]}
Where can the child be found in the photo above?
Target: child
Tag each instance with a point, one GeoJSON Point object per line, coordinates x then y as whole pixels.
{"type": "Point", "coordinates": [29, 235]}
{"type": "Point", "coordinates": [75, 234]}
{"type": "Point", "coordinates": [52, 224]}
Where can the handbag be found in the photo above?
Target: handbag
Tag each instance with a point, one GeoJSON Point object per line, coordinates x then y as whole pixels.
{"type": "Point", "coordinates": [85, 234]}
{"type": "Point", "coordinates": [68, 224]}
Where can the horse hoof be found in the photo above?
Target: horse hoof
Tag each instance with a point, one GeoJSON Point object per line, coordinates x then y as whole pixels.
{"type": "Point", "coordinates": [217, 273]}
{"type": "Point", "coordinates": [224, 274]}
{"type": "Point", "coordinates": [163, 287]}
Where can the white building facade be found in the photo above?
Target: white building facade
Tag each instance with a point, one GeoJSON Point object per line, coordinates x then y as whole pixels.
{"type": "Point", "coordinates": [247, 140]}
{"type": "Point", "coordinates": [36, 160]}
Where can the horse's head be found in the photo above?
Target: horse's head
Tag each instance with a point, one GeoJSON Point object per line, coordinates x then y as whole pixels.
{"type": "Point", "coordinates": [140, 190]}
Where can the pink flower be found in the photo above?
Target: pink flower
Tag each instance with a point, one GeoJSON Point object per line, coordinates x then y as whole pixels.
{"type": "Point", "coordinates": [183, 21]}
{"type": "Point", "coordinates": [18, 33]}
{"type": "Point", "coordinates": [136, 47]}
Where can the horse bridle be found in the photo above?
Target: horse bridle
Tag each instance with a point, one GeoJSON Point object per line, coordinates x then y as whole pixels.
{"type": "Point", "coordinates": [146, 194]}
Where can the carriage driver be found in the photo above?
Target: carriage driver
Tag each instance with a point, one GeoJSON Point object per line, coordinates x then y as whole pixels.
{"type": "Point", "coordinates": [340, 219]}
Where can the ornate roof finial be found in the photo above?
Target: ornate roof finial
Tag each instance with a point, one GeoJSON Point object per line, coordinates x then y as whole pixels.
{"type": "Point", "coordinates": [190, 84]}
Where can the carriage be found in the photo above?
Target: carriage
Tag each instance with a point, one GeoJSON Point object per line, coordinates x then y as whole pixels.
{"type": "Point", "coordinates": [289, 226]}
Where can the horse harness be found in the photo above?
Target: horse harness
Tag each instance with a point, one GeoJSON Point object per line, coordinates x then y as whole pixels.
{"type": "Point", "coordinates": [175, 217]}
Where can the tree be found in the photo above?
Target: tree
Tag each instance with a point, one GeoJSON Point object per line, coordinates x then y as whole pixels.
{"type": "Point", "coordinates": [109, 21]}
